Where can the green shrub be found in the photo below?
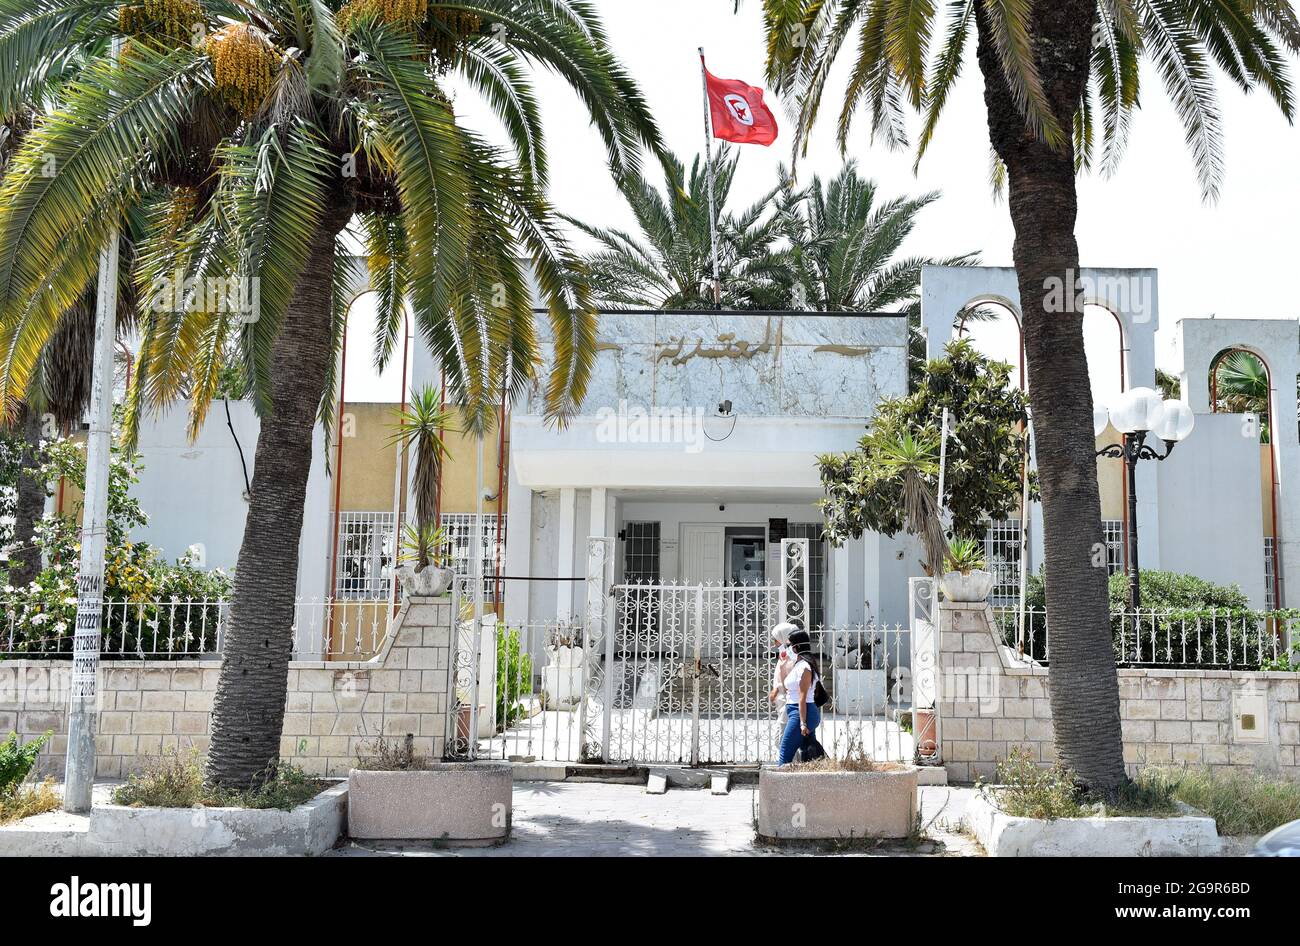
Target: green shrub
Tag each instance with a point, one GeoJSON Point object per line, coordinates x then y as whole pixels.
{"type": "Point", "coordinates": [514, 679]}
{"type": "Point", "coordinates": [16, 761]}
{"type": "Point", "coordinates": [1028, 791]}
{"type": "Point", "coordinates": [1230, 632]}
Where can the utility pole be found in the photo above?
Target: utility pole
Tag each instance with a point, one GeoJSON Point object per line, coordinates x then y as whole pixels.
{"type": "Point", "coordinates": [79, 777]}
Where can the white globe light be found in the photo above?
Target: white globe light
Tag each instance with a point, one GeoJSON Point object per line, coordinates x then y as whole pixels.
{"type": "Point", "coordinates": [1176, 422]}
{"type": "Point", "coordinates": [1137, 409]}
{"type": "Point", "coordinates": [1100, 418]}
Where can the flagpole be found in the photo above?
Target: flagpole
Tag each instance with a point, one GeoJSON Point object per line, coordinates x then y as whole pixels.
{"type": "Point", "coordinates": [708, 173]}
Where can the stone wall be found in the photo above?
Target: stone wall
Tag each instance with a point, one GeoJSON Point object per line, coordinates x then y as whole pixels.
{"type": "Point", "coordinates": [992, 701]}
{"type": "Point", "coordinates": [332, 707]}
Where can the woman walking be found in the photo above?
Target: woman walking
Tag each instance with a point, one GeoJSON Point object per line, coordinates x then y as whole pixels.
{"type": "Point", "coordinates": [802, 715]}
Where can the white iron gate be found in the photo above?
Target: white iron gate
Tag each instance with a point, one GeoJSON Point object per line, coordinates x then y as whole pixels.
{"type": "Point", "coordinates": [664, 672]}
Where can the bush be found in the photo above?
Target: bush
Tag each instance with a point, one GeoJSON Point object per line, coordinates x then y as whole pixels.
{"type": "Point", "coordinates": [16, 761]}
{"type": "Point", "coordinates": [1230, 632]}
{"type": "Point", "coordinates": [145, 597]}
{"type": "Point", "coordinates": [514, 679]}
{"type": "Point", "coordinates": [1030, 791]}
{"type": "Point", "coordinates": [175, 780]}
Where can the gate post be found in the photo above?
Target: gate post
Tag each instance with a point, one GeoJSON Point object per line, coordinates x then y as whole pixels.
{"type": "Point", "coordinates": [794, 580]}
{"type": "Point", "coordinates": [923, 608]}
{"type": "Point", "coordinates": [598, 643]}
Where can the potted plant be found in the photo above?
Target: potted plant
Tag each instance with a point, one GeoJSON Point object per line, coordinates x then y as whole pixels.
{"type": "Point", "coordinates": [562, 682]}
{"type": "Point", "coordinates": [861, 677]}
{"type": "Point", "coordinates": [396, 794]}
{"type": "Point", "coordinates": [966, 578]}
{"type": "Point", "coordinates": [420, 428]}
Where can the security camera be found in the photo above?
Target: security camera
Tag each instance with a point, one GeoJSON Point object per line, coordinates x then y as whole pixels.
{"type": "Point", "coordinates": [724, 408]}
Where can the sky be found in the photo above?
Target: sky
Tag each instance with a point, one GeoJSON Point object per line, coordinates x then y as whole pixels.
{"type": "Point", "coordinates": [1231, 259]}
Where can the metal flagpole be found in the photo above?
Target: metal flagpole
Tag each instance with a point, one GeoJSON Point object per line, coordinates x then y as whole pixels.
{"type": "Point", "coordinates": [79, 774]}
{"type": "Point", "coordinates": [708, 173]}
{"type": "Point", "coordinates": [943, 460]}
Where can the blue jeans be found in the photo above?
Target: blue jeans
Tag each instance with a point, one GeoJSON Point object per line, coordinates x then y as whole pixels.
{"type": "Point", "coordinates": [793, 738]}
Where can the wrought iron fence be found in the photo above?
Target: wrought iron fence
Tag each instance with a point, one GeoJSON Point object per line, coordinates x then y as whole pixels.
{"type": "Point", "coordinates": [323, 628]}
{"type": "Point", "coordinates": [1243, 640]}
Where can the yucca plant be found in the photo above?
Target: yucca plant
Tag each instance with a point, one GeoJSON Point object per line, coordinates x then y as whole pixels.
{"type": "Point", "coordinates": [247, 135]}
{"type": "Point", "coordinates": [1061, 84]}
{"type": "Point", "coordinates": [964, 555]}
{"type": "Point", "coordinates": [420, 430]}
{"type": "Point", "coordinates": [912, 460]}
{"type": "Point", "coordinates": [424, 545]}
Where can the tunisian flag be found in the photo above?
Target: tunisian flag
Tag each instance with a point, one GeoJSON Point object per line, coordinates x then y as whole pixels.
{"type": "Point", "coordinates": [737, 111]}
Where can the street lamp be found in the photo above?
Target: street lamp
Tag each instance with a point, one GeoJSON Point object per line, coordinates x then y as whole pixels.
{"type": "Point", "coordinates": [1136, 413]}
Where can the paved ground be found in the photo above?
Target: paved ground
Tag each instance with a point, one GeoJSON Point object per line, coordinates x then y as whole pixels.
{"type": "Point", "coordinates": [593, 819]}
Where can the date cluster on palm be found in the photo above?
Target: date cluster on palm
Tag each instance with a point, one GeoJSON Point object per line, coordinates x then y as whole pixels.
{"type": "Point", "coordinates": [170, 22]}
{"type": "Point", "coordinates": [244, 64]}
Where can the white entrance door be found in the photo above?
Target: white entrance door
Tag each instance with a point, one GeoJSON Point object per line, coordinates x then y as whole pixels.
{"type": "Point", "coordinates": [703, 561]}
{"type": "Point", "coordinates": [702, 558]}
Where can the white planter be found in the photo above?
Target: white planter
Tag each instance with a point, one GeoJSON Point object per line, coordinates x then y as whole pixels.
{"type": "Point", "coordinates": [562, 677]}
{"type": "Point", "coordinates": [860, 692]}
{"type": "Point", "coordinates": [1189, 834]}
{"type": "Point", "coordinates": [428, 583]}
{"type": "Point", "coordinates": [974, 586]}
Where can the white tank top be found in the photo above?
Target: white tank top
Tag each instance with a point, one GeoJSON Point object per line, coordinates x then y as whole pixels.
{"type": "Point", "coordinates": [792, 681]}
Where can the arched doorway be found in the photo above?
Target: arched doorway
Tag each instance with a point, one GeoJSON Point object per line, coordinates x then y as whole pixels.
{"type": "Point", "coordinates": [1241, 382]}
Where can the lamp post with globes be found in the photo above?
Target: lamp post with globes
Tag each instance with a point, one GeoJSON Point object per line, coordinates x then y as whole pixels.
{"type": "Point", "coordinates": [1135, 414]}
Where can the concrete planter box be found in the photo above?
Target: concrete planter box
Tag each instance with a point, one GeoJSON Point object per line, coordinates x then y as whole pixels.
{"type": "Point", "coordinates": [312, 828]}
{"type": "Point", "coordinates": [465, 803]}
{"type": "Point", "coordinates": [1191, 834]}
{"type": "Point", "coordinates": [821, 806]}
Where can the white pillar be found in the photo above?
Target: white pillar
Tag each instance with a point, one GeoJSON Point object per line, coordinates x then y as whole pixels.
{"type": "Point", "coordinates": [871, 604]}
{"type": "Point", "coordinates": [519, 548]}
{"type": "Point", "coordinates": [839, 611]}
{"type": "Point", "coordinates": [564, 556]}
{"type": "Point", "coordinates": [600, 521]}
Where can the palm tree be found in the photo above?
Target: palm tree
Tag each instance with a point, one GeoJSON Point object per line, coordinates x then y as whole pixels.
{"type": "Point", "coordinates": [831, 247]}
{"type": "Point", "coordinates": [670, 265]}
{"type": "Point", "coordinates": [247, 134]}
{"type": "Point", "coordinates": [1061, 82]}
{"type": "Point", "coordinates": [843, 245]}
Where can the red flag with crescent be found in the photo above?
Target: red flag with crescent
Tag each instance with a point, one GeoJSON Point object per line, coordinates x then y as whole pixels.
{"type": "Point", "coordinates": [737, 112]}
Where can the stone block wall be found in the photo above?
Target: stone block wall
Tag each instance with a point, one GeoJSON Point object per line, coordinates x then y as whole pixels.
{"type": "Point", "coordinates": [332, 709]}
{"type": "Point", "coordinates": [992, 701]}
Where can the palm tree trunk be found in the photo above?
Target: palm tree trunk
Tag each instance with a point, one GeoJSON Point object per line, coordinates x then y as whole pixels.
{"type": "Point", "coordinates": [248, 709]}
{"type": "Point", "coordinates": [25, 562]}
{"type": "Point", "coordinates": [1082, 681]}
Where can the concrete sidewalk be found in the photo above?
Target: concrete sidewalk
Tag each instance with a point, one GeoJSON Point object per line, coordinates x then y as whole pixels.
{"type": "Point", "coordinates": [594, 819]}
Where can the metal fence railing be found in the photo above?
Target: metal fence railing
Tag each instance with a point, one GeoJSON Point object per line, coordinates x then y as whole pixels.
{"type": "Point", "coordinates": [1240, 640]}
{"type": "Point", "coordinates": [323, 628]}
